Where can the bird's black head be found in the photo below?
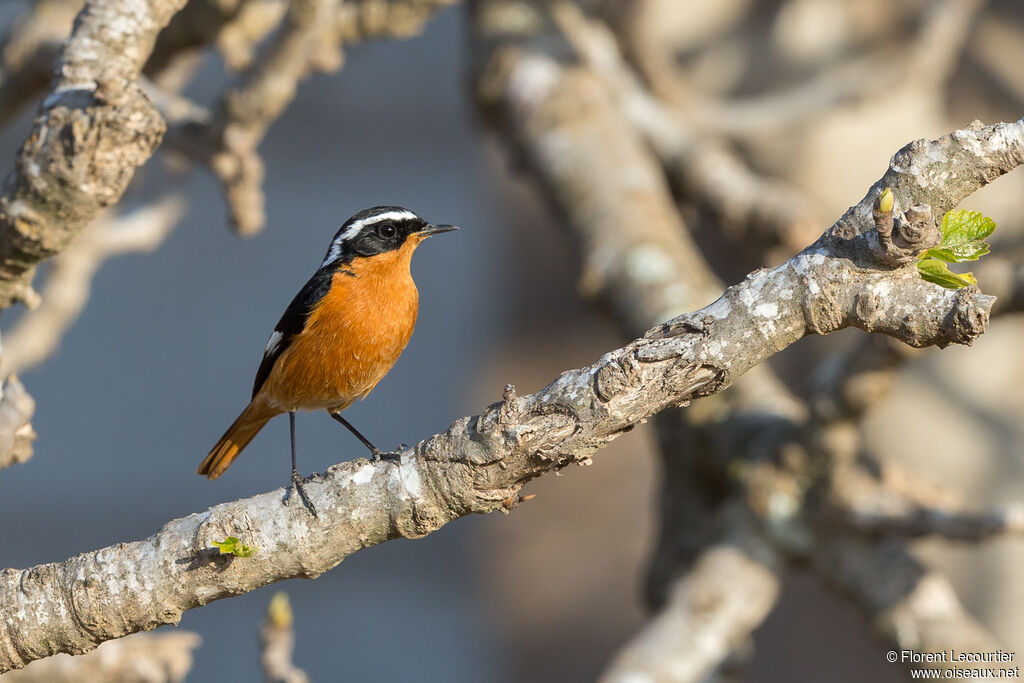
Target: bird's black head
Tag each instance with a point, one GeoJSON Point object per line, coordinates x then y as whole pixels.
{"type": "Point", "coordinates": [377, 230]}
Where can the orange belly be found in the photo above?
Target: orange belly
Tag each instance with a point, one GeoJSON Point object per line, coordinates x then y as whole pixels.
{"type": "Point", "coordinates": [352, 338]}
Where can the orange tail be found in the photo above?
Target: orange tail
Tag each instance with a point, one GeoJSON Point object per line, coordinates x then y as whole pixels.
{"type": "Point", "coordinates": [238, 436]}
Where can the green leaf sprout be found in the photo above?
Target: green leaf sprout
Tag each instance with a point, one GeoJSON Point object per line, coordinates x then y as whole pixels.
{"type": "Point", "coordinates": [963, 235]}
{"type": "Point", "coordinates": [233, 546]}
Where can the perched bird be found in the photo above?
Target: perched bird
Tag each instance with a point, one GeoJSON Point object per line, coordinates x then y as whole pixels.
{"type": "Point", "coordinates": [340, 335]}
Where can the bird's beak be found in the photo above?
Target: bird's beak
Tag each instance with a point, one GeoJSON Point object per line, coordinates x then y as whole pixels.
{"type": "Point", "coordinates": [435, 230]}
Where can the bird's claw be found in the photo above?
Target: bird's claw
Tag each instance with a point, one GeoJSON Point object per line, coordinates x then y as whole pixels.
{"type": "Point", "coordinates": [297, 486]}
{"type": "Point", "coordinates": [379, 455]}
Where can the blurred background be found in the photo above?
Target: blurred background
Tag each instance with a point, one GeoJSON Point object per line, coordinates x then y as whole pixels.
{"type": "Point", "coordinates": [163, 356]}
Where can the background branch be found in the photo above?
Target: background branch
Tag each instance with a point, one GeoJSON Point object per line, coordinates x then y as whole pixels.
{"type": "Point", "coordinates": [16, 433]}
{"type": "Point", "coordinates": [277, 642]}
{"type": "Point", "coordinates": [138, 658]}
{"type": "Point", "coordinates": [38, 332]}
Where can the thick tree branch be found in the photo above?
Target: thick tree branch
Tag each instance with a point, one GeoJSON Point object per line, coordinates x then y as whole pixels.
{"type": "Point", "coordinates": [94, 128]}
{"type": "Point", "coordinates": [481, 461]}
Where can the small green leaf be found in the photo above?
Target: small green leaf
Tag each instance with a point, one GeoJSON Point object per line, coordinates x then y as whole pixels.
{"type": "Point", "coordinates": [968, 251]}
{"type": "Point", "coordinates": [233, 546]}
{"type": "Point", "coordinates": [961, 227]}
{"type": "Point", "coordinates": [963, 234]}
{"type": "Point", "coordinates": [934, 270]}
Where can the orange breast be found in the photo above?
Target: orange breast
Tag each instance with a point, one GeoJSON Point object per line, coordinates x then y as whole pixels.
{"type": "Point", "coordinates": [352, 338]}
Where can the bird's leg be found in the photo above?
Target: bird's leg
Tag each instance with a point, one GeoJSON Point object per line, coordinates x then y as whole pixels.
{"type": "Point", "coordinates": [376, 452]}
{"type": "Point", "coordinates": [296, 478]}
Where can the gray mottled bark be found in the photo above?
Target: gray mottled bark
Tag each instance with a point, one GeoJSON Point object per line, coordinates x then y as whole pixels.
{"type": "Point", "coordinates": [94, 128]}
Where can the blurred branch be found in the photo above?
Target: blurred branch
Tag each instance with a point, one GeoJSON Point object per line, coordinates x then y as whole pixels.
{"type": "Point", "coordinates": [28, 51]}
{"type": "Point", "coordinates": [702, 168]}
{"type": "Point", "coordinates": [361, 20]}
{"type": "Point", "coordinates": [1004, 276]}
{"type": "Point", "coordinates": [636, 252]}
{"type": "Point", "coordinates": [240, 38]}
{"type": "Point", "coordinates": [925, 63]}
{"type": "Point", "coordinates": [912, 607]}
{"type": "Point", "coordinates": [941, 41]}
{"type": "Point", "coordinates": [16, 433]}
{"type": "Point", "coordinates": [870, 507]}
{"type": "Point", "coordinates": [708, 615]}
{"type": "Point", "coordinates": [202, 22]}
{"type": "Point", "coordinates": [917, 521]}
{"type": "Point", "coordinates": [277, 643]}
{"type": "Point", "coordinates": [310, 39]}
{"type": "Point", "coordinates": [93, 129]}
{"type": "Point", "coordinates": [998, 45]}
{"type": "Point", "coordinates": [639, 260]}
{"type": "Point", "coordinates": [305, 42]}
{"type": "Point", "coordinates": [39, 331]}
{"type": "Point", "coordinates": [139, 658]}
{"type": "Point", "coordinates": [644, 28]}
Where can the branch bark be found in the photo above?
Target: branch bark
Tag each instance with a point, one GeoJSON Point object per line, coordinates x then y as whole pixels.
{"type": "Point", "coordinates": [481, 461]}
{"type": "Point", "coordinates": [94, 128]}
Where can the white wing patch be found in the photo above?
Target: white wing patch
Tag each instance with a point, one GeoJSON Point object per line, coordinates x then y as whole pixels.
{"type": "Point", "coordinates": [273, 343]}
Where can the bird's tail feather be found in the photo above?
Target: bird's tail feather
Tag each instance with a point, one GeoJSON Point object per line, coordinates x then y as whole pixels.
{"type": "Point", "coordinates": [236, 438]}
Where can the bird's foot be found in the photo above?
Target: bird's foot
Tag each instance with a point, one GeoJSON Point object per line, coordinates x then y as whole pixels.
{"type": "Point", "coordinates": [296, 486]}
{"type": "Point", "coordinates": [395, 455]}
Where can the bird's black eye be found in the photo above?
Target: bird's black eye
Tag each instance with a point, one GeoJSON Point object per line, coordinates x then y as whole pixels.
{"type": "Point", "coordinates": [387, 231]}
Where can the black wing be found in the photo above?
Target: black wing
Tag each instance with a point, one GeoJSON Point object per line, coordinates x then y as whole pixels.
{"type": "Point", "coordinates": [292, 322]}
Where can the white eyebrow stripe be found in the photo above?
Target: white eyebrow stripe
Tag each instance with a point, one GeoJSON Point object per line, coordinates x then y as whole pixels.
{"type": "Point", "coordinates": [335, 251]}
{"type": "Point", "coordinates": [354, 229]}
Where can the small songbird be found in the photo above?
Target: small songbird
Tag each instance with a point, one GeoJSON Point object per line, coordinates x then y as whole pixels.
{"type": "Point", "coordinates": [340, 335]}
